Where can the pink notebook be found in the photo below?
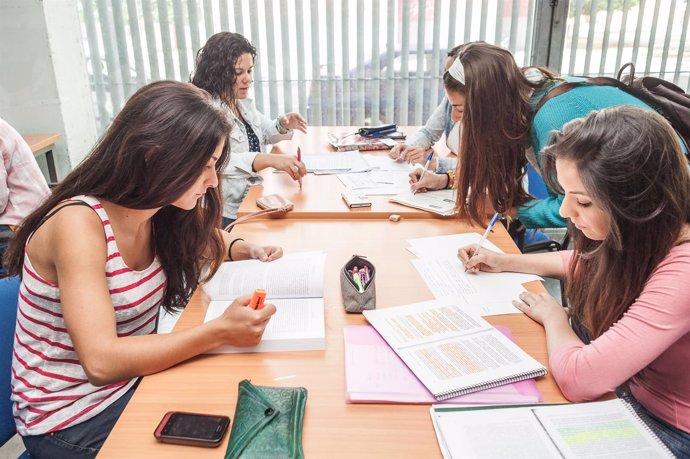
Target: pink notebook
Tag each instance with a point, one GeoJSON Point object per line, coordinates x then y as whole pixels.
{"type": "Point", "coordinates": [375, 374]}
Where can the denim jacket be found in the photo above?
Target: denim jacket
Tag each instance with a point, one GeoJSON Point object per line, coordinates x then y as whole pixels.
{"type": "Point", "coordinates": [239, 174]}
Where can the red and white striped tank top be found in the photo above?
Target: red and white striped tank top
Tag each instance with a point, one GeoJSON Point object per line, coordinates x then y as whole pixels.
{"type": "Point", "coordinates": [50, 389]}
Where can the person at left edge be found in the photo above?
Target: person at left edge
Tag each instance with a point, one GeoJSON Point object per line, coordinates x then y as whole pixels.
{"type": "Point", "coordinates": [22, 185]}
{"type": "Point", "coordinates": [224, 67]}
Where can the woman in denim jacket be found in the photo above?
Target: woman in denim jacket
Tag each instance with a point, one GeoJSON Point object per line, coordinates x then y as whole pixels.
{"type": "Point", "coordinates": [224, 67]}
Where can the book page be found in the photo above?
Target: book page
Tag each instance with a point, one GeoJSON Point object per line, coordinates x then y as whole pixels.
{"type": "Point", "coordinates": [599, 429]}
{"type": "Point", "coordinates": [440, 202]}
{"type": "Point", "coordinates": [298, 275]}
{"type": "Point", "coordinates": [491, 433]}
{"type": "Point", "coordinates": [298, 324]}
{"type": "Point", "coordinates": [446, 246]}
{"type": "Point", "coordinates": [375, 374]}
{"type": "Point", "coordinates": [451, 350]}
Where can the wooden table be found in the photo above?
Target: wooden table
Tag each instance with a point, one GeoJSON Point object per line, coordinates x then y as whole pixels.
{"type": "Point", "coordinates": [332, 428]}
{"type": "Point", "coordinates": [43, 144]}
{"type": "Point", "coordinates": [320, 196]}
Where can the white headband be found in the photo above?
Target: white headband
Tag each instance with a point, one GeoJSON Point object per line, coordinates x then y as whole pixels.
{"type": "Point", "coordinates": [457, 71]}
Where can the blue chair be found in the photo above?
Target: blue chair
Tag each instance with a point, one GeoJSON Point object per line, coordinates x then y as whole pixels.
{"type": "Point", "coordinates": [535, 240]}
{"type": "Point", "coordinates": [9, 292]}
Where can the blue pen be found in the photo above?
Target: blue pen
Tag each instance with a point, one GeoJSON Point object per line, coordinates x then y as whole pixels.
{"type": "Point", "coordinates": [493, 221]}
{"type": "Point", "coordinates": [426, 166]}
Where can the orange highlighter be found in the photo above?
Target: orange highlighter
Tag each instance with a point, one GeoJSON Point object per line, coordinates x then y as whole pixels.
{"type": "Point", "coordinates": [257, 301]}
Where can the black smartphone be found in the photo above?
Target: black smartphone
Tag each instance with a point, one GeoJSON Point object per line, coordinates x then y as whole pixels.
{"type": "Point", "coordinates": [192, 429]}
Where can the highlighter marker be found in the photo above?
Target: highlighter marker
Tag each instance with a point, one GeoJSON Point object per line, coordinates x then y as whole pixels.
{"type": "Point", "coordinates": [257, 301]}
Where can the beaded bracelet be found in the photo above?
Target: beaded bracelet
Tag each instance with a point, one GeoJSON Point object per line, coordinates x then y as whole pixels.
{"type": "Point", "coordinates": [230, 248]}
{"type": "Point", "coordinates": [450, 184]}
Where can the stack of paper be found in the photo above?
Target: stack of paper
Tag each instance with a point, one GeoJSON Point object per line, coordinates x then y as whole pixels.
{"type": "Point", "coordinates": [484, 293]}
{"type": "Point", "coordinates": [440, 202]}
{"type": "Point", "coordinates": [334, 163]}
{"type": "Point", "coordinates": [376, 182]}
{"type": "Point", "coordinates": [294, 284]}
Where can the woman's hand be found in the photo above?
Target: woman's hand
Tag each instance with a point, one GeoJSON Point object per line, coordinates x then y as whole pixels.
{"type": "Point", "coordinates": [486, 260]}
{"type": "Point", "coordinates": [293, 120]}
{"type": "Point", "coordinates": [431, 181]}
{"type": "Point", "coordinates": [265, 253]}
{"type": "Point", "coordinates": [541, 307]}
{"type": "Point", "coordinates": [287, 163]}
{"type": "Point", "coordinates": [411, 155]}
{"type": "Point", "coordinates": [242, 325]}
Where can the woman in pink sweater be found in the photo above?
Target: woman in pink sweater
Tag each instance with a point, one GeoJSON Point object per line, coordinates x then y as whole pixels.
{"type": "Point", "coordinates": [627, 196]}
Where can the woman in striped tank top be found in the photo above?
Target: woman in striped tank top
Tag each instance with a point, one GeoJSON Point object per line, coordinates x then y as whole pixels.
{"type": "Point", "coordinates": [131, 229]}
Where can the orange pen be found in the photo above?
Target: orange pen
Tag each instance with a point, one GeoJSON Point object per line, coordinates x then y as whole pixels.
{"type": "Point", "coordinates": [257, 301]}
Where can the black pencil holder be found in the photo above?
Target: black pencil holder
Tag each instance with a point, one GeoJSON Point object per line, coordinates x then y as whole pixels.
{"type": "Point", "coordinates": [360, 294]}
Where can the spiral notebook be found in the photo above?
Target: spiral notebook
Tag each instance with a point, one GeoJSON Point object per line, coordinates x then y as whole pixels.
{"type": "Point", "coordinates": [452, 351]}
{"type": "Point", "coordinates": [578, 430]}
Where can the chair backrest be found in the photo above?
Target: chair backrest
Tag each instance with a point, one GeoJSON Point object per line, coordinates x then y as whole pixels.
{"type": "Point", "coordinates": [9, 292]}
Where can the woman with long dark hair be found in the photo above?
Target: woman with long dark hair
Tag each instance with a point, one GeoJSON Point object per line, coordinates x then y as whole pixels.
{"type": "Point", "coordinates": [626, 191]}
{"type": "Point", "coordinates": [501, 132]}
{"type": "Point", "coordinates": [134, 227]}
{"type": "Point", "coordinates": [225, 68]}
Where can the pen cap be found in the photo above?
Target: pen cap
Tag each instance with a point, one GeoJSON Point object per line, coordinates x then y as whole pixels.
{"type": "Point", "coordinates": [356, 299]}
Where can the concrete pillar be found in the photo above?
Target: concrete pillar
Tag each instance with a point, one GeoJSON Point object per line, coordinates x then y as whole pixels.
{"type": "Point", "coordinates": [44, 86]}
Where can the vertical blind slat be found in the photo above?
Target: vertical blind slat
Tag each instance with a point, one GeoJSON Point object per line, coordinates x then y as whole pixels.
{"type": "Point", "coordinates": [114, 77]}
{"type": "Point", "coordinates": [332, 112]}
{"type": "Point", "coordinates": [239, 16]}
{"type": "Point", "coordinates": [360, 95]}
{"type": "Point", "coordinates": [468, 21]}
{"type": "Point", "coordinates": [209, 28]}
{"type": "Point", "coordinates": [650, 47]}
{"type": "Point", "coordinates": [166, 44]}
{"type": "Point", "coordinates": [638, 30]}
{"type": "Point", "coordinates": [576, 35]}
{"type": "Point", "coordinates": [482, 23]}
{"type": "Point", "coordinates": [258, 68]}
{"type": "Point", "coordinates": [96, 69]}
{"type": "Point", "coordinates": [453, 13]}
{"type": "Point", "coordinates": [151, 43]}
{"type": "Point", "coordinates": [137, 46]}
{"type": "Point", "coordinates": [667, 41]}
{"type": "Point", "coordinates": [301, 79]}
{"type": "Point", "coordinates": [404, 64]}
{"type": "Point", "coordinates": [181, 39]}
{"type": "Point", "coordinates": [529, 33]}
{"type": "Point", "coordinates": [193, 13]}
{"type": "Point", "coordinates": [345, 24]}
{"type": "Point", "coordinates": [286, 58]}
{"type": "Point", "coordinates": [224, 13]}
{"type": "Point", "coordinates": [122, 49]}
{"type": "Point", "coordinates": [607, 31]}
{"type": "Point", "coordinates": [315, 63]}
{"type": "Point", "coordinates": [681, 46]}
{"type": "Point", "coordinates": [436, 69]}
{"type": "Point", "coordinates": [590, 36]}
{"type": "Point", "coordinates": [390, 56]}
{"type": "Point", "coordinates": [375, 64]}
{"type": "Point", "coordinates": [514, 24]}
{"type": "Point", "coordinates": [419, 70]}
{"type": "Point", "coordinates": [271, 53]}
{"type": "Point", "coordinates": [498, 37]}
{"type": "Point", "coordinates": [621, 35]}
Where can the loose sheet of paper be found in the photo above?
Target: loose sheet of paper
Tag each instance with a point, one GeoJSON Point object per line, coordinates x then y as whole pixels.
{"type": "Point", "coordinates": [332, 163]}
{"type": "Point", "coordinates": [440, 202]}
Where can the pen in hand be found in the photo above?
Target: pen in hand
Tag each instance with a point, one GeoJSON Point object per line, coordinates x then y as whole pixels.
{"type": "Point", "coordinates": [299, 158]}
{"type": "Point", "coordinates": [493, 221]}
{"type": "Point", "coordinates": [426, 166]}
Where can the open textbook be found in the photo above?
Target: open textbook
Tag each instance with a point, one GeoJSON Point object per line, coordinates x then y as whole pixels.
{"type": "Point", "coordinates": [608, 429]}
{"type": "Point", "coordinates": [294, 284]}
{"type": "Point", "coordinates": [451, 351]}
{"type": "Point", "coordinates": [440, 202]}
{"type": "Point", "coordinates": [375, 374]}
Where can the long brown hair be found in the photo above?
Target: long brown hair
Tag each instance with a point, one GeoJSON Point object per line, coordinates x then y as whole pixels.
{"type": "Point", "coordinates": [630, 163]}
{"type": "Point", "coordinates": [154, 150]}
{"type": "Point", "coordinates": [215, 65]}
{"type": "Point", "coordinates": [495, 131]}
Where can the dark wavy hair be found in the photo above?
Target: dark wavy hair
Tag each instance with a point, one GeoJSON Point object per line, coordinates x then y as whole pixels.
{"type": "Point", "coordinates": [495, 130]}
{"type": "Point", "coordinates": [154, 150]}
{"type": "Point", "coordinates": [215, 65]}
{"type": "Point", "coordinates": [631, 165]}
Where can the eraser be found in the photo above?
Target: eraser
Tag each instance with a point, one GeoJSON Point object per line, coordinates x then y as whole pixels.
{"type": "Point", "coordinates": [394, 218]}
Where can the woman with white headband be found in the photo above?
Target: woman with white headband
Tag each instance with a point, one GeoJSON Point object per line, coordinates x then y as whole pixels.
{"type": "Point", "coordinates": [500, 130]}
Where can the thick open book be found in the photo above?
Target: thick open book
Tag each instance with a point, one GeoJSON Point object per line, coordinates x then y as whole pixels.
{"type": "Point", "coordinates": [451, 351]}
{"type": "Point", "coordinates": [375, 374]}
{"type": "Point", "coordinates": [294, 284]}
{"type": "Point", "coordinates": [580, 430]}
